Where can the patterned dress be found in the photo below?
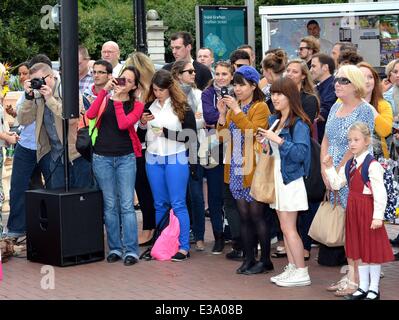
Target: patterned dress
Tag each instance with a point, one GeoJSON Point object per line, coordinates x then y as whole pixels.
{"type": "Point", "coordinates": [236, 176]}
{"type": "Point", "coordinates": [337, 134]}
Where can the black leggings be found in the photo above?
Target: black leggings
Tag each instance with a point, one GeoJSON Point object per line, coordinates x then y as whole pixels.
{"type": "Point", "coordinates": [254, 228]}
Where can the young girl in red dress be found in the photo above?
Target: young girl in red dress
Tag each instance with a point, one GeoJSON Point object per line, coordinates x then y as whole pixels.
{"type": "Point", "coordinates": [366, 239]}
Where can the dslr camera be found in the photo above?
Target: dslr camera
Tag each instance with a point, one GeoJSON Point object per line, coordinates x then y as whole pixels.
{"type": "Point", "coordinates": [37, 83]}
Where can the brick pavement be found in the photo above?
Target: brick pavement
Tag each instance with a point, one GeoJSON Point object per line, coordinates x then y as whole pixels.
{"type": "Point", "coordinates": [204, 276]}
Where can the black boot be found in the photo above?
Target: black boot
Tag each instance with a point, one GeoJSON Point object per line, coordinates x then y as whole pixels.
{"type": "Point", "coordinates": [219, 244]}
{"type": "Point", "coordinates": [246, 265]}
{"type": "Point", "coordinates": [260, 267]}
{"type": "Point", "coordinates": [237, 252]}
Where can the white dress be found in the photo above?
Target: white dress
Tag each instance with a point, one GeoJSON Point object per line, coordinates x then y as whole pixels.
{"type": "Point", "coordinates": [289, 197]}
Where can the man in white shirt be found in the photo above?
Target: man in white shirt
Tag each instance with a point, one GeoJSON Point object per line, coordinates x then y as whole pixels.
{"type": "Point", "coordinates": [110, 52]}
{"type": "Point", "coordinates": [314, 30]}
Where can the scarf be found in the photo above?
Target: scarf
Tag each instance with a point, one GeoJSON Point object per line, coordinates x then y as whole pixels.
{"type": "Point", "coordinates": [230, 89]}
{"type": "Point", "coordinates": [189, 92]}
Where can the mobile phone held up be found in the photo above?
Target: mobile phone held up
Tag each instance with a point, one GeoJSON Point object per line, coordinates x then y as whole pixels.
{"type": "Point", "coordinates": [120, 81]}
{"type": "Point", "coordinates": [147, 111]}
{"type": "Point", "coordinates": [224, 91]}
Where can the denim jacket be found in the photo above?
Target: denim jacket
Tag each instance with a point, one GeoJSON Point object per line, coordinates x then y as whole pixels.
{"type": "Point", "coordinates": [295, 151]}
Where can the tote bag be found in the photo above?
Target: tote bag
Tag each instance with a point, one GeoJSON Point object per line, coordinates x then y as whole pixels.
{"type": "Point", "coordinates": [167, 244]}
{"type": "Point", "coordinates": [262, 187]}
{"type": "Point", "coordinates": [328, 226]}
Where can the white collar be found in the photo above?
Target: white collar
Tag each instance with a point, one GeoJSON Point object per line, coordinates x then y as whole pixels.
{"type": "Point", "coordinates": [361, 157]}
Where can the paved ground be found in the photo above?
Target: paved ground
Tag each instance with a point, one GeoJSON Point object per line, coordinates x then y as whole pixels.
{"type": "Point", "coordinates": [204, 276]}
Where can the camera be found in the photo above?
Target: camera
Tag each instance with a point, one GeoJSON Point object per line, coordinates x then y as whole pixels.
{"type": "Point", "coordinates": [37, 83]}
{"type": "Point", "coordinates": [224, 91]}
{"type": "Point", "coordinates": [120, 81]}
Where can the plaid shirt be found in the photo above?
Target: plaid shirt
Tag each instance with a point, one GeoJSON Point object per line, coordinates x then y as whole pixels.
{"type": "Point", "coordinates": [86, 82]}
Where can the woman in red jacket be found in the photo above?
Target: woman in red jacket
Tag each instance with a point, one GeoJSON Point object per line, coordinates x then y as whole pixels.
{"type": "Point", "coordinates": [114, 162]}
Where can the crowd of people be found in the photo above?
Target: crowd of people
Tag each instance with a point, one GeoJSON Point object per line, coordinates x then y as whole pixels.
{"type": "Point", "coordinates": [188, 138]}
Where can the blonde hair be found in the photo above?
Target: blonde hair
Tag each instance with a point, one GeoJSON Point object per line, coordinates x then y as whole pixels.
{"type": "Point", "coordinates": [363, 128]}
{"type": "Point", "coordinates": [146, 68]}
{"type": "Point", "coordinates": [355, 75]}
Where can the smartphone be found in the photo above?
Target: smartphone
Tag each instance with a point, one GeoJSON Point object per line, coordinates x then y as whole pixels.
{"type": "Point", "coordinates": [120, 81]}
{"type": "Point", "coordinates": [224, 91]}
{"type": "Point", "coordinates": [148, 111]}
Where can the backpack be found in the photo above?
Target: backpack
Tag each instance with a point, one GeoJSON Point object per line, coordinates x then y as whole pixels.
{"type": "Point", "coordinates": [315, 188]}
{"type": "Point", "coordinates": [160, 251]}
{"type": "Point", "coordinates": [392, 194]}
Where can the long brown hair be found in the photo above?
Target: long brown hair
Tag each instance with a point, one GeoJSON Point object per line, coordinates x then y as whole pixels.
{"type": "Point", "coordinates": [307, 83]}
{"type": "Point", "coordinates": [163, 79]}
{"type": "Point", "coordinates": [287, 87]}
{"type": "Point", "coordinates": [376, 94]}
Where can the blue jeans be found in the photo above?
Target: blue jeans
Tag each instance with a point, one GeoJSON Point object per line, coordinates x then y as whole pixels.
{"type": "Point", "coordinates": [80, 174]}
{"type": "Point", "coordinates": [168, 178]}
{"type": "Point", "coordinates": [116, 178]}
{"type": "Point", "coordinates": [214, 178]}
{"type": "Point", "coordinates": [24, 164]}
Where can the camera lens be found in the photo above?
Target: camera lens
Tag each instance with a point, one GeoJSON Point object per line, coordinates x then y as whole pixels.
{"type": "Point", "coordinates": [37, 83]}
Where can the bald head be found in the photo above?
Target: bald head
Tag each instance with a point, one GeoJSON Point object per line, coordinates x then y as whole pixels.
{"type": "Point", "coordinates": [110, 52]}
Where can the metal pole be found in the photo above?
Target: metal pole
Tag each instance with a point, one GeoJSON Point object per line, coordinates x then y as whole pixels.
{"type": "Point", "coordinates": [69, 73]}
{"type": "Point", "coordinates": [251, 22]}
{"type": "Point", "coordinates": [140, 24]}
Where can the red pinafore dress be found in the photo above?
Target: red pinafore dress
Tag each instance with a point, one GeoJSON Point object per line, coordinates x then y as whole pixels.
{"type": "Point", "coordinates": [362, 242]}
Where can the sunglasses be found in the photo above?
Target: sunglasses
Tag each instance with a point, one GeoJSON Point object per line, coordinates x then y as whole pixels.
{"type": "Point", "coordinates": [342, 80]}
{"type": "Point", "coordinates": [190, 71]}
{"type": "Point", "coordinates": [239, 65]}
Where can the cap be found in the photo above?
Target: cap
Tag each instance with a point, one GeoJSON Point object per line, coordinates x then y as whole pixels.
{"type": "Point", "coordinates": [249, 73]}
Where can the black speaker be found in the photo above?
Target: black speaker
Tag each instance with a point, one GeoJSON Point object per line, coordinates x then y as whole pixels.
{"type": "Point", "coordinates": [64, 228]}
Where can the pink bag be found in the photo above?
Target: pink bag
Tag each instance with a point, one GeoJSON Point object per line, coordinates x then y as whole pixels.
{"type": "Point", "coordinates": [167, 244]}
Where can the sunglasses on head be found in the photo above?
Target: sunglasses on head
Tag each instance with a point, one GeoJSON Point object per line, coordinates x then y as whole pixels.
{"type": "Point", "coordinates": [342, 80]}
{"type": "Point", "coordinates": [190, 71]}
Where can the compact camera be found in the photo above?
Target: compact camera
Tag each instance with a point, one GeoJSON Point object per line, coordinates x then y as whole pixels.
{"type": "Point", "coordinates": [37, 83]}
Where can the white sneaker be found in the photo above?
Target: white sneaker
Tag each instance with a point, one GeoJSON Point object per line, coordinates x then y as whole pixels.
{"type": "Point", "coordinates": [299, 277]}
{"type": "Point", "coordinates": [287, 270]}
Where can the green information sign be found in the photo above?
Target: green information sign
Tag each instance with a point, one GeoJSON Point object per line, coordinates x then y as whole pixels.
{"type": "Point", "coordinates": [222, 29]}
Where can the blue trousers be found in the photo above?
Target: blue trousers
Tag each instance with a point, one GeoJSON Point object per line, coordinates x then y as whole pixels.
{"type": "Point", "coordinates": [116, 178]}
{"type": "Point", "coordinates": [168, 178]}
{"type": "Point", "coordinates": [24, 164]}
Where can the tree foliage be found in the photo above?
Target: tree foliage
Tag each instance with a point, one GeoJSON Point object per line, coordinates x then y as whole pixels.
{"type": "Point", "coordinates": [21, 35]}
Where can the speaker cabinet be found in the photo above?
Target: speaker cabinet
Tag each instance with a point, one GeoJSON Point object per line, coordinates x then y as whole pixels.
{"type": "Point", "coordinates": [64, 228]}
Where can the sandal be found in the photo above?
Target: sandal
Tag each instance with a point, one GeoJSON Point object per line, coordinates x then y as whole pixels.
{"type": "Point", "coordinates": [348, 289]}
{"type": "Point", "coordinates": [337, 285]}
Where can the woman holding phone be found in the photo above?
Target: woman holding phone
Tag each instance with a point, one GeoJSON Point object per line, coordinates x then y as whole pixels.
{"type": "Point", "coordinates": [114, 162]}
{"type": "Point", "coordinates": [290, 144]}
{"type": "Point", "coordinates": [239, 118]}
{"type": "Point", "coordinates": [168, 125]}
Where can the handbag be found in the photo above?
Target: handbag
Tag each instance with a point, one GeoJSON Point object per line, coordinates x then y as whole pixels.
{"type": "Point", "coordinates": [87, 133]}
{"type": "Point", "coordinates": [315, 188]}
{"type": "Point", "coordinates": [262, 187]}
{"type": "Point", "coordinates": [328, 226]}
{"type": "Point", "coordinates": [83, 141]}
{"type": "Point", "coordinates": [167, 244]}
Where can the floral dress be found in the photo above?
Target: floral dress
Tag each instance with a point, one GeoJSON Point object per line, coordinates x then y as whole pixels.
{"type": "Point", "coordinates": [236, 176]}
{"type": "Point", "coordinates": [337, 134]}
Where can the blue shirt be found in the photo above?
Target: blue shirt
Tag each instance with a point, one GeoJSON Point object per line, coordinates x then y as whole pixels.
{"type": "Point", "coordinates": [27, 138]}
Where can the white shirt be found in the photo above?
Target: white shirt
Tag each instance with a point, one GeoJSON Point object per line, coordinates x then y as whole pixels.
{"type": "Point", "coordinates": [164, 117]}
{"type": "Point", "coordinates": [376, 175]}
{"type": "Point", "coordinates": [116, 70]}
